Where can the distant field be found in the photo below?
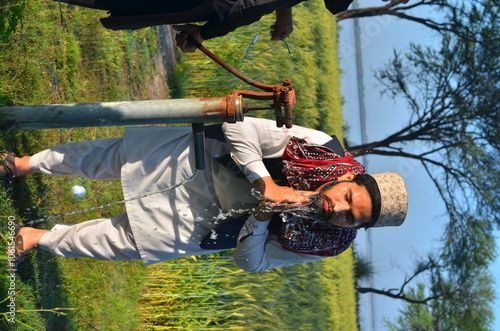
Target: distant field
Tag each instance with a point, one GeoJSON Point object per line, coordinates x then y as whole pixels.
{"type": "Point", "coordinates": [63, 55]}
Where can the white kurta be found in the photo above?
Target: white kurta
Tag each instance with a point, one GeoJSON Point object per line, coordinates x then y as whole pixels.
{"type": "Point", "coordinates": [171, 224]}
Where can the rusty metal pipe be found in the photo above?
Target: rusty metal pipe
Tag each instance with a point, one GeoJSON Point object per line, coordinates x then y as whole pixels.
{"type": "Point", "coordinates": [225, 109]}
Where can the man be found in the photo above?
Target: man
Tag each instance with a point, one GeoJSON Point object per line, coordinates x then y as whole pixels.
{"type": "Point", "coordinates": [328, 195]}
{"type": "Point", "coordinates": [221, 16]}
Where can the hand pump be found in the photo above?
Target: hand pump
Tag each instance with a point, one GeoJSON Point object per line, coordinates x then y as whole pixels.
{"type": "Point", "coordinates": [196, 111]}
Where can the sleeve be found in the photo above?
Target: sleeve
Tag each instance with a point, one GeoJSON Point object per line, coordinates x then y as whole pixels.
{"type": "Point", "coordinates": [243, 12]}
{"type": "Point", "coordinates": [254, 139]}
{"type": "Point", "coordinates": [258, 251]}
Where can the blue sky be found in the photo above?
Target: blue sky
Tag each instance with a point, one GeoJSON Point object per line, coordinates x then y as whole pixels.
{"type": "Point", "coordinates": [393, 251]}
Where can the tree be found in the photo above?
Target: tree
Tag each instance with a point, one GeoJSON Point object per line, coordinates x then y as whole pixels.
{"type": "Point", "coordinates": [449, 290]}
{"type": "Point", "coordinates": [442, 16]}
{"type": "Point", "coordinates": [453, 96]}
{"type": "Point", "coordinates": [447, 303]}
{"type": "Point", "coordinates": [413, 317]}
{"type": "Point", "coordinates": [409, 295]}
{"type": "Point", "coordinates": [464, 306]}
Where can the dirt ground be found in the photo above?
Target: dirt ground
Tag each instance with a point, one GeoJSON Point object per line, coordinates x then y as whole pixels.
{"type": "Point", "coordinates": [165, 62]}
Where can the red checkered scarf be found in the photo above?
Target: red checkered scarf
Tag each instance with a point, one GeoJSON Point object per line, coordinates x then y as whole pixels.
{"type": "Point", "coordinates": [307, 167]}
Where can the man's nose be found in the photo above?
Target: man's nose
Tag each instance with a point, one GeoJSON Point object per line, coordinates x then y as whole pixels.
{"type": "Point", "coordinates": [341, 206]}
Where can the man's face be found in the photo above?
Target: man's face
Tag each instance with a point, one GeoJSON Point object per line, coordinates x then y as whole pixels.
{"type": "Point", "coordinates": [343, 203]}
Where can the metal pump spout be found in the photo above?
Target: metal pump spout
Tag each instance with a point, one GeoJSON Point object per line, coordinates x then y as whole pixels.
{"type": "Point", "coordinates": [282, 96]}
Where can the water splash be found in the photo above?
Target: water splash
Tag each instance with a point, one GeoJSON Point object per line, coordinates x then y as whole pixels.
{"type": "Point", "coordinates": [225, 214]}
{"type": "Point", "coordinates": [256, 193]}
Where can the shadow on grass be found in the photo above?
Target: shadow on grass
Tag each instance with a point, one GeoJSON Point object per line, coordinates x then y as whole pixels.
{"type": "Point", "coordinates": [40, 277]}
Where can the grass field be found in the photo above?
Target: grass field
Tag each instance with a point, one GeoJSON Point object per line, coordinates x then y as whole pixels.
{"type": "Point", "coordinates": [62, 55]}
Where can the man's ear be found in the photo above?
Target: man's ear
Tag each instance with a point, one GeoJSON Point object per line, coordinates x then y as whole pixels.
{"type": "Point", "coordinates": [347, 176]}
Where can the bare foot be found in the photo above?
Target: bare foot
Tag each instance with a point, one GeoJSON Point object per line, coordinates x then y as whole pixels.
{"type": "Point", "coordinates": [23, 165]}
{"type": "Point", "coordinates": [27, 239]}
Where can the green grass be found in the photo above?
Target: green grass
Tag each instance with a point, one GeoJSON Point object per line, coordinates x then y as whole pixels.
{"type": "Point", "coordinates": [11, 15]}
{"type": "Point", "coordinates": [209, 293]}
{"type": "Point", "coordinates": [52, 61]}
{"type": "Point", "coordinates": [73, 59]}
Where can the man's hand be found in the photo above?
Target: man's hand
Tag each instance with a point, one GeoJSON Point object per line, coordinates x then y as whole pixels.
{"type": "Point", "coordinates": [283, 26]}
{"type": "Point", "coordinates": [277, 198]}
{"type": "Point", "coordinates": [185, 31]}
{"type": "Point", "coordinates": [281, 194]}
